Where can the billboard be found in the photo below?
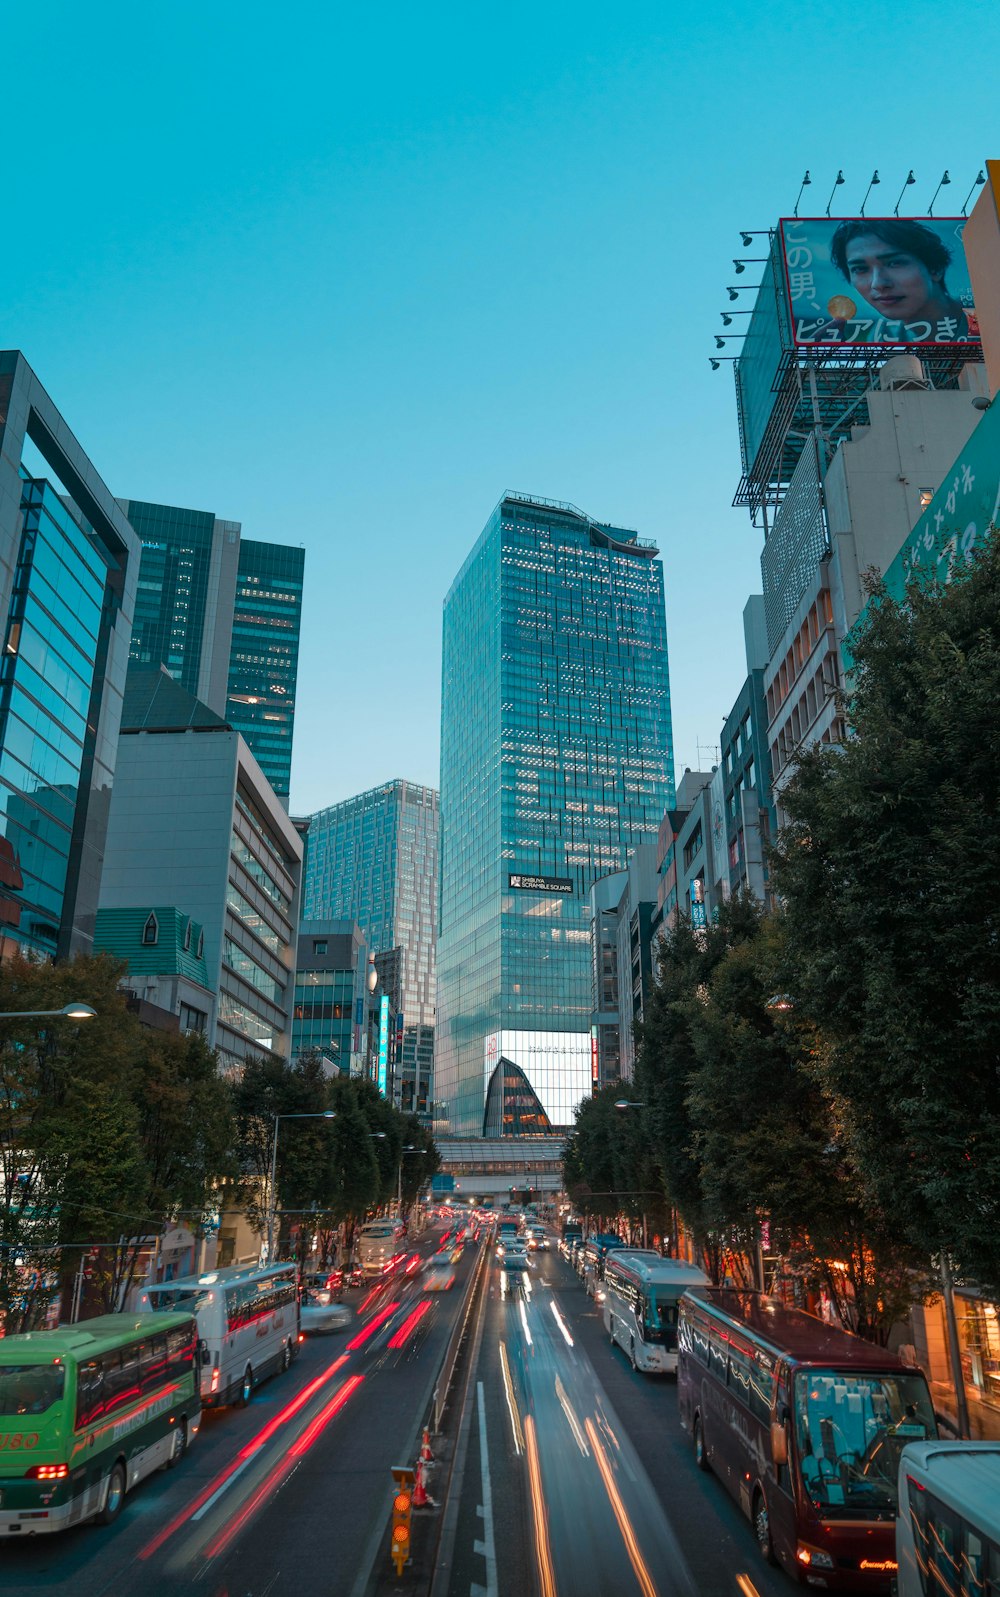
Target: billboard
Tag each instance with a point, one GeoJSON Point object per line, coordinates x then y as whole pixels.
{"type": "Point", "coordinates": [867, 282]}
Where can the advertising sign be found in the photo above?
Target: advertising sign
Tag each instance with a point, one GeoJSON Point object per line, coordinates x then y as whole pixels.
{"type": "Point", "coordinates": [868, 282]}
{"type": "Point", "coordinates": [383, 1043]}
{"type": "Point", "coordinates": [540, 884]}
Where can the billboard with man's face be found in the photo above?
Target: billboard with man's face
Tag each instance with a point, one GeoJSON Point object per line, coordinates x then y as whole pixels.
{"type": "Point", "coordinates": [867, 282]}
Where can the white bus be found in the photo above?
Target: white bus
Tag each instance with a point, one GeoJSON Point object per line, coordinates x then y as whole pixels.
{"type": "Point", "coordinates": [248, 1324]}
{"type": "Point", "coordinates": [948, 1530]}
{"type": "Point", "coordinates": [376, 1243]}
{"type": "Point", "coordinates": [641, 1292]}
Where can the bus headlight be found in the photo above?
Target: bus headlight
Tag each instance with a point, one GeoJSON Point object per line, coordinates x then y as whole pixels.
{"type": "Point", "coordinates": [813, 1557]}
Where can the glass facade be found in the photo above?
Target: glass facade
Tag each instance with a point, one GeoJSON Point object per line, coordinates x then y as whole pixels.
{"type": "Point", "coordinates": [172, 600]}
{"type": "Point", "coordinates": [264, 661]}
{"type": "Point", "coordinates": [374, 859]}
{"type": "Point", "coordinates": [556, 762]}
{"type": "Point", "coordinates": [324, 1015]}
{"type": "Point", "coordinates": [47, 677]}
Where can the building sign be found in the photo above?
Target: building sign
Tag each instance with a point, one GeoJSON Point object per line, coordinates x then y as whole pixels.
{"type": "Point", "coordinates": [383, 1044]}
{"type": "Point", "coordinates": [540, 884]}
{"type": "Point", "coordinates": [867, 282]}
{"type": "Point", "coordinates": [595, 1061]}
{"type": "Point", "coordinates": [698, 916]}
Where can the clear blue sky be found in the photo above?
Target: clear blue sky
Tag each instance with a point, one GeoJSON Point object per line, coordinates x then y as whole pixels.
{"type": "Point", "coordinates": [345, 274]}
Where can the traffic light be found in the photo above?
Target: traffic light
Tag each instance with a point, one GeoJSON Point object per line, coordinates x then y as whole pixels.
{"type": "Point", "coordinates": [402, 1508]}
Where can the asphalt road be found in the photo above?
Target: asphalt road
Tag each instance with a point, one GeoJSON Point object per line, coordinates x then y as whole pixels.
{"type": "Point", "coordinates": [589, 1485]}
{"type": "Point", "coordinates": [285, 1498]}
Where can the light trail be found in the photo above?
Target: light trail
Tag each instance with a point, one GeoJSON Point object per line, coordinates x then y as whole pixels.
{"type": "Point", "coordinates": [636, 1559]}
{"type": "Point", "coordinates": [409, 1325]}
{"type": "Point", "coordinates": [747, 1586]}
{"type": "Point", "coordinates": [564, 1328]}
{"type": "Point", "coordinates": [543, 1551]}
{"type": "Point", "coordinates": [515, 1418]}
{"type": "Point", "coordinates": [281, 1469]}
{"type": "Point", "coordinates": [574, 1423]}
{"type": "Point", "coordinates": [227, 1477]}
{"type": "Point", "coordinates": [524, 1322]}
{"type": "Point", "coordinates": [372, 1327]}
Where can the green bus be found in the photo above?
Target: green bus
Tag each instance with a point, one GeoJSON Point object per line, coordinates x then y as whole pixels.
{"type": "Point", "coordinates": [87, 1411]}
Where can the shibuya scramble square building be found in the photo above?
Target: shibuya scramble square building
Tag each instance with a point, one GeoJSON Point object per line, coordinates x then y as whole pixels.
{"type": "Point", "coordinates": [556, 762]}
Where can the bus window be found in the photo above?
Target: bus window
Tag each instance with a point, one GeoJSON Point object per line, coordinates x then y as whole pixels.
{"type": "Point", "coordinates": [154, 1363]}
{"type": "Point", "coordinates": [30, 1388]}
{"type": "Point", "coordinates": [851, 1430]}
{"type": "Point", "coordinates": [89, 1393]}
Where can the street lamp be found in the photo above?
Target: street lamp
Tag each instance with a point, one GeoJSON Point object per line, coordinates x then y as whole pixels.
{"type": "Point", "coordinates": [629, 1103]}
{"type": "Point", "coordinates": [323, 1114]}
{"type": "Point", "coordinates": [74, 1011]}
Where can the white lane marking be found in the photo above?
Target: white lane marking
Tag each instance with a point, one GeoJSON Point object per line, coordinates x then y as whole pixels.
{"type": "Point", "coordinates": [564, 1328]}
{"type": "Point", "coordinates": [203, 1510]}
{"type": "Point", "coordinates": [487, 1546]}
{"type": "Point", "coordinates": [524, 1322]}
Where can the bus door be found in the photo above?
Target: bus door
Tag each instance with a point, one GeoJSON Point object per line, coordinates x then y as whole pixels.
{"type": "Point", "coordinates": [780, 1486]}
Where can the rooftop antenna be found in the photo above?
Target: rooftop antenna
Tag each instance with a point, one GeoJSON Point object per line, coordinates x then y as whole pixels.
{"type": "Point", "coordinates": [874, 179]}
{"type": "Point", "coordinates": [804, 185]}
{"type": "Point", "coordinates": [980, 180]}
{"type": "Point", "coordinates": [909, 179]}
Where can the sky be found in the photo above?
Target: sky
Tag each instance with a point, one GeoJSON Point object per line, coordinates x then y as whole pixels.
{"type": "Point", "coordinates": [347, 274]}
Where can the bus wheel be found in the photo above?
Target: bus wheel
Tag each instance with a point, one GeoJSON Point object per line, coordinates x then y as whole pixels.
{"type": "Point", "coordinates": [246, 1390]}
{"type": "Point", "coordinates": [762, 1527]}
{"type": "Point", "coordinates": [700, 1455]}
{"type": "Point", "coordinates": [115, 1496]}
{"type": "Point", "coordinates": [286, 1356]}
{"type": "Point", "coordinates": [178, 1444]}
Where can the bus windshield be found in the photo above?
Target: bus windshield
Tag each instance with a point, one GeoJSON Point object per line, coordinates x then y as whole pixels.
{"type": "Point", "coordinates": [850, 1430]}
{"type": "Point", "coordinates": [181, 1300]}
{"type": "Point", "coordinates": [30, 1388]}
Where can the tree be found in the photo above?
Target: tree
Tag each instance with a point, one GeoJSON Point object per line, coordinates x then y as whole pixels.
{"type": "Point", "coordinates": [889, 869]}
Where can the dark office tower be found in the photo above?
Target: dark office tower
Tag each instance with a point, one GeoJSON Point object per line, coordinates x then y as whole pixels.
{"type": "Point", "coordinates": [556, 762]}
{"type": "Point", "coordinates": [184, 607]}
{"type": "Point", "coordinates": [68, 568]}
{"type": "Point", "coordinates": [374, 859]}
{"type": "Point", "coordinates": [264, 658]}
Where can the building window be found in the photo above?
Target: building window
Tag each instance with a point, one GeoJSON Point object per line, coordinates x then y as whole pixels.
{"type": "Point", "coordinates": [193, 1019]}
{"type": "Point", "coordinates": [201, 944]}
{"type": "Point", "coordinates": [151, 932]}
{"type": "Point", "coordinates": [187, 938]}
{"type": "Point", "coordinates": [319, 947]}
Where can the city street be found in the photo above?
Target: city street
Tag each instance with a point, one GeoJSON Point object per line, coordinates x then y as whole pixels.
{"type": "Point", "coordinates": [602, 1463]}
{"type": "Point", "coordinates": [286, 1496]}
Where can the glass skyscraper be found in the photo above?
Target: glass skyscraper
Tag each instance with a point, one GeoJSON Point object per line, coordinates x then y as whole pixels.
{"type": "Point", "coordinates": [374, 859]}
{"type": "Point", "coordinates": [264, 660]}
{"type": "Point", "coordinates": [223, 615]}
{"type": "Point", "coordinates": [556, 762]}
{"type": "Point", "coordinates": [68, 564]}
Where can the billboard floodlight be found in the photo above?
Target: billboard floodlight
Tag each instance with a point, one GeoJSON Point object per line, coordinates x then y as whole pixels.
{"type": "Point", "coordinates": [944, 179]}
{"type": "Point", "coordinates": [733, 293]}
{"type": "Point", "coordinates": [836, 184]}
{"type": "Point", "coordinates": [980, 180]}
{"type": "Point", "coordinates": [804, 185]}
{"type": "Point", "coordinates": [872, 182]}
{"type": "Point", "coordinates": [909, 179]}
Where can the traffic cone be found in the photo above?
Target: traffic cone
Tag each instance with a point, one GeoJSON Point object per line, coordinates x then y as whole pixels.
{"type": "Point", "coordinates": [420, 1497]}
{"type": "Point", "coordinates": [425, 1448]}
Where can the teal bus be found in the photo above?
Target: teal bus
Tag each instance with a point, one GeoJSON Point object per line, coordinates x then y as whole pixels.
{"type": "Point", "coordinates": [87, 1411]}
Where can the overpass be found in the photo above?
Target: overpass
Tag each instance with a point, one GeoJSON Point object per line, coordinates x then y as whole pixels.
{"type": "Point", "coordinates": [487, 1167]}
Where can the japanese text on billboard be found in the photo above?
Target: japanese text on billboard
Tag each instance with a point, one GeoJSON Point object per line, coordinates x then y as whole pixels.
{"type": "Point", "coordinates": [867, 282]}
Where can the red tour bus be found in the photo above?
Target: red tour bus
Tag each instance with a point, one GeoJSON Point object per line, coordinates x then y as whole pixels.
{"type": "Point", "coordinates": [804, 1424]}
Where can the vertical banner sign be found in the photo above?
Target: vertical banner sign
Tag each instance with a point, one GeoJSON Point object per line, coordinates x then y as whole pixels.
{"type": "Point", "coordinates": [383, 1044]}
{"type": "Point", "coordinates": [595, 1065]}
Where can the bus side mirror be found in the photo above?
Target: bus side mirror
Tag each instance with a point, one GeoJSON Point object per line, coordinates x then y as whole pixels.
{"type": "Point", "coordinates": [203, 1353]}
{"type": "Point", "coordinates": [779, 1443]}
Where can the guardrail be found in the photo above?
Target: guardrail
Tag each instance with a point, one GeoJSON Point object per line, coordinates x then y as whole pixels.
{"type": "Point", "coordinates": [458, 1335]}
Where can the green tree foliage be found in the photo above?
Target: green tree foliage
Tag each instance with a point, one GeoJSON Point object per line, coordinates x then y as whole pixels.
{"type": "Point", "coordinates": [108, 1132]}
{"type": "Point", "coordinates": [610, 1168]}
{"type": "Point", "coordinates": [889, 870]}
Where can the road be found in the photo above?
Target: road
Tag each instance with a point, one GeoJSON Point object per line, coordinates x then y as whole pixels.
{"type": "Point", "coordinates": [589, 1484]}
{"type": "Point", "coordinates": [284, 1498]}
{"type": "Point", "coordinates": [576, 1478]}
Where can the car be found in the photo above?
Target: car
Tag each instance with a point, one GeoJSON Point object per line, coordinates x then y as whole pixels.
{"type": "Point", "coordinates": [438, 1274]}
{"type": "Point", "coordinates": [541, 1243]}
{"type": "Point", "coordinates": [515, 1273]}
{"type": "Point", "coordinates": [316, 1317]}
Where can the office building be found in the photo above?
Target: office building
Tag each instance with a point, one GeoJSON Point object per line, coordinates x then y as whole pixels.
{"type": "Point", "coordinates": [622, 930]}
{"type": "Point", "coordinates": [195, 824]}
{"type": "Point", "coordinates": [685, 860]}
{"type": "Point", "coordinates": [222, 614]}
{"type": "Point", "coordinates": [331, 995]}
{"type": "Point", "coordinates": [556, 763]}
{"type": "Point", "coordinates": [743, 815]}
{"type": "Point", "coordinates": [264, 659]}
{"type": "Point", "coordinates": [68, 568]}
{"type": "Point", "coordinates": [167, 982]}
{"type": "Point", "coordinates": [374, 859]}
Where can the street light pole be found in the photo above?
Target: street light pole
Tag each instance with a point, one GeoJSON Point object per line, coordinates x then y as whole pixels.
{"type": "Point", "coordinates": [324, 1114]}
{"type": "Point", "coordinates": [68, 1012]}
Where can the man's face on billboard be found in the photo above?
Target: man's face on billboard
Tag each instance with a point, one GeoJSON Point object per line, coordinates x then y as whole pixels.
{"type": "Point", "coordinates": [894, 282]}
